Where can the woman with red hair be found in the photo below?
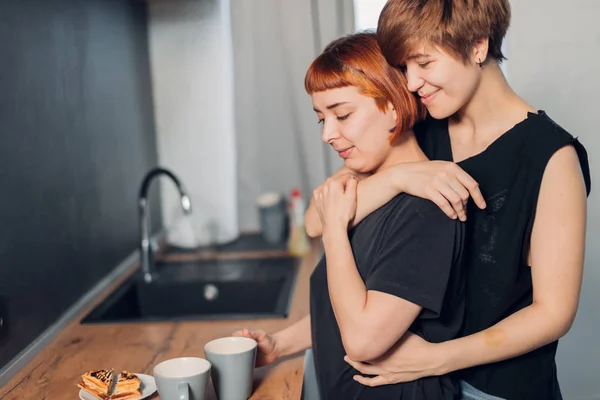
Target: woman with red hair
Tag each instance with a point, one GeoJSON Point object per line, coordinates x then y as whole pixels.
{"type": "Point", "coordinates": [400, 267]}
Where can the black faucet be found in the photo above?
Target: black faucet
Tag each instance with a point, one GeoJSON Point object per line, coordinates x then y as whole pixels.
{"type": "Point", "coordinates": [146, 256]}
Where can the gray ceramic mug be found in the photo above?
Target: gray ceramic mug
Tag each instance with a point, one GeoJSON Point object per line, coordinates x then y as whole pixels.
{"type": "Point", "coordinates": [273, 217]}
{"type": "Point", "coordinates": [184, 378]}
{"type": "Point", "coordinates": [232, 371]}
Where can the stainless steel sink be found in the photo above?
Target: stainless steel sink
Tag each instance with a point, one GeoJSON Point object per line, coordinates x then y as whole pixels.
{"type": "Point", "coordinates": [203, 290]}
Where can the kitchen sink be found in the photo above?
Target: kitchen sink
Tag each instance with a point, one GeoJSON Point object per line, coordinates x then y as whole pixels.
{"type": "Point", "coordinates": [203, 290]}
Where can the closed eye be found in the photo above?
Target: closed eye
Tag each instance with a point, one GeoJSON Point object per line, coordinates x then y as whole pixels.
{"type": "Point", "coordinates": [343, 117]}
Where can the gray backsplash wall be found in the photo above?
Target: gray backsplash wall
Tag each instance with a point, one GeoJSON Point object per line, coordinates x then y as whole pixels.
{"type": "Point", "coordinates": [76, 137]}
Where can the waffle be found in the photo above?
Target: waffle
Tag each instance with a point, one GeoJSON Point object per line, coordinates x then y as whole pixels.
{"type": "Point", "coordinates": [128, 385]}
{"type": "Point", "coordinates": [127, 396]}
{"type": "Point", "coordinates": [98, 382]}
{"type": "Point", "coordinates": [93, 392]}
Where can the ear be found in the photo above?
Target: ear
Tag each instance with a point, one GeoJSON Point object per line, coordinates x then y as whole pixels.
{"type": "Point", "coordinates": [480, 50]}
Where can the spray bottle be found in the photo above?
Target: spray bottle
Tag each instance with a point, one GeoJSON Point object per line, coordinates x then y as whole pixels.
{"type": "Point", "coordinates": [298, 244]}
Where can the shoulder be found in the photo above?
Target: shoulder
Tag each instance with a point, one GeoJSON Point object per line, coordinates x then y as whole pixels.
{"type": "Point", "coordinates": [418, 225]}
{"type": "Point", "coordinates": [564, 173]}
{"type": "Point", "coordinates": [547, 141]}
{"type": "Point", "coordinates": [407, 209]}
{"type": "Point", "coordinates": [542, 128]}
{"type": "Point", "coordinates": [542, 134]}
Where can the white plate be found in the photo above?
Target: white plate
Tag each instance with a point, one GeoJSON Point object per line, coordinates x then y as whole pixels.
{"type": "Point", "coordinates": [147, 387]}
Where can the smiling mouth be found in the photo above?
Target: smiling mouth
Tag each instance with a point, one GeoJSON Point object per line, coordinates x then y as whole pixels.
{"type": "Point", "coordinates": [428, 97]}
{"type": "Point", "coordinates": [345, 153]}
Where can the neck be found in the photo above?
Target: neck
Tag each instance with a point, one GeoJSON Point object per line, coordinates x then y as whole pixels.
{"type": "Point", "coordinates": [405, 148]}
{"type": "Point", "coordinates": [494, 102]}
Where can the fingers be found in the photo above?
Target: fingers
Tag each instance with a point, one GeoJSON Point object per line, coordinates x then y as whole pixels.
{"type": "Point", "coordinates": [335, 184]}
{"type": "Point", "coordinates": [257, 335]}
{"type": "Point", "coordinates": [332, 185]}
{"type": "Point", "coordinates": [342, 171]}
{"type": "Point", "coordinates": [473, 187]}
{"type": "Point", "coordinates": [242, 332]}
{"type": "Point", "coordinates": [455, 199]}
{"type": "Point", "coordinates": [457, 186]}
{"type": "Point", "coordinates": [462, 192]}
{"type": "Point", "coordinates": [316, 193]}
{"type": "Point", "coordinates": [378, 380]}
{"type": "Point", "coordinates": [351, 185]}
{"type": "Point", "coordinates": [442, 202]}
{"type": "Point", "coordinates": [346, 177]}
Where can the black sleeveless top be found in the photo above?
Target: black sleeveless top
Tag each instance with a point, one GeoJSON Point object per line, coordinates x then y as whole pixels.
{"type": "Point", "coordinates": [509, 173]}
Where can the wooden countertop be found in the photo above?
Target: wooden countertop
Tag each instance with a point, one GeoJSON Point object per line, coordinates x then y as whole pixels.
{"type": "Point", "coordinates": [138, 347]}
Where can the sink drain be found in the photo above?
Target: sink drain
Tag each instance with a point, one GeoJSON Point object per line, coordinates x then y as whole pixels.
{"type": "Point", "coordinates": [211, 292]}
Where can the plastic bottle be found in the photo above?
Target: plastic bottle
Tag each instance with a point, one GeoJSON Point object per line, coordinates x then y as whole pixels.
{"type": "Point", "coordinates": [298, 244]}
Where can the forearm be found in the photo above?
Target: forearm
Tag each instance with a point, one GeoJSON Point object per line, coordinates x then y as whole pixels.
{"type": "Point", "coordinates": [312, 222]}
{"type": "Point", "coordinates": [372, 192]}
{"type": "Point", "coordinates": [294, 338]}
{"type": "Point", "coordinates": [375, 191]}
{"type": "Point", "coordinates": [347, 290]}
{"type": "Point", "coordinates": [360, 318]}
{"type": "Point", "coordinates": [520, 333]}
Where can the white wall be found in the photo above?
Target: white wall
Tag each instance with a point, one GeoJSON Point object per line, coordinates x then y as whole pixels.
{"type": "Point", "coordinates": [192, 77]}
{"type": "Point", "coordinates": [554, 62]}
{"type": "Point", "coordinates": [366, 13]}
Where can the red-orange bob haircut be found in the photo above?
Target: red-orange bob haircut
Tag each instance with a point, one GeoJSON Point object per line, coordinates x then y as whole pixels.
{"type": "Point", "coordinates": [356, 60]}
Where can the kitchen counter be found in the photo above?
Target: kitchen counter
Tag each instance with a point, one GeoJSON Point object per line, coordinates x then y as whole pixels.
{"type": "Point", "coordinates": [138, 347]}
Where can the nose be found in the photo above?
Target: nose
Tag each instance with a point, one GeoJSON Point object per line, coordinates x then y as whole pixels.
{"type": "Point", "coordinates": [330, 131]}
{"type": "Point", "coordinates": [413, 79]}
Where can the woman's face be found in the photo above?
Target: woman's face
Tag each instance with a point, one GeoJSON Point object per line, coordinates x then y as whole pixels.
{"type": "Point", "coordinates": [356, 129]}
{"type": "Point", "coordinates": [443, 83]}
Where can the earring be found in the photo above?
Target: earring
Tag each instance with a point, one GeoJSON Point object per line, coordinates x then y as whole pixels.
{"type": "Point", "coordinates": [479, 63]}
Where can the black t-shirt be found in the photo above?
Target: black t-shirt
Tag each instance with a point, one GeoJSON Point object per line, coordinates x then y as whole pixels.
{"type": "Point", "coordinates": [410, 249]}
{"type": "Point", "coordinates": [509, 173]}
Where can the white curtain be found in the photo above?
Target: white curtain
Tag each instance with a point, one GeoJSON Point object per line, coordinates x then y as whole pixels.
{"type": "Point", "coordinates": [192, 81]}
{"type": "Point", "coordinates": [277, 136]}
